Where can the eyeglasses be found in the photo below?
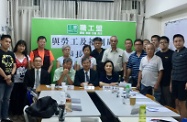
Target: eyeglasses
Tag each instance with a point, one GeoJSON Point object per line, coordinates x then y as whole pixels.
{"type": "Point", "coordinates": [163, 42]}
{"type": "Point", "coordinates": [137, 44]}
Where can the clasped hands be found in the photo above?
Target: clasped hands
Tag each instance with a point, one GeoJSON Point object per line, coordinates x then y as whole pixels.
{"type": "Point", "coordinates": [8, 79]}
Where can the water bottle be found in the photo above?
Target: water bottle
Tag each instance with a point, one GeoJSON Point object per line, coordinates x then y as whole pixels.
{"type": "Point", "coordinates": [61, 116]}
{"type": "Point", "coordinates": [127, 89]}
{"type": "Point", "coordinates": [142, 113]}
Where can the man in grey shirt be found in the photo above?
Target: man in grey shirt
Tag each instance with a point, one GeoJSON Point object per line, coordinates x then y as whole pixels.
{"type": "Point", "coordinates": [150, 73]}
{"type": "Point", "coordinates": [117, 56]}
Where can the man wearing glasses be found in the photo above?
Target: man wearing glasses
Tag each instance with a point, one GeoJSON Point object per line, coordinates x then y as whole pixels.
{"type": "Point", "coordinates": [166, 55]}
{"type": "Point", "coordinates": [134, 62]}
{"type": "Point", "coordinates": [97, 53]}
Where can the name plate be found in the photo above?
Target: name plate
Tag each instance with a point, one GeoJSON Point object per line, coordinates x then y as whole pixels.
{"type": "Point", "coordinates": [89, 87]}
{"type": "Point", "coordinates": [107, 87]}
{"type": "Point", "coordinates": [113, 88]}
{"type": "Point", "coordinates": [71, 87]}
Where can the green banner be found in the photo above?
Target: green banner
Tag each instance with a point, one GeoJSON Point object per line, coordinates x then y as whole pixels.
{"type": "Point", "coordinates": [76, 33]}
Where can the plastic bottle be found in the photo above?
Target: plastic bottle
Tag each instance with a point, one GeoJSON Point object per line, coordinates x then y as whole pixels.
{"type": "Point", "coordinates": [61, 113]}
{"type": "Point", "coordinates": [142, 113]}
{"type": "Point", "coordinates": [127, 89]}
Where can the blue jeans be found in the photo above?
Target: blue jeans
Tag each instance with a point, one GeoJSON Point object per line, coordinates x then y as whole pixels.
{"type": "Point", "coordinates": [5, 92]}
{"type": "Point", "coordinates": [157, 93]}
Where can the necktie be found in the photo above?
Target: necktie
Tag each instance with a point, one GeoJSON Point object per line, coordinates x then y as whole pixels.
{"type": "Point", "coordinates": [87, 77]}
{"type": "Point", "coordinates": [37, 78]}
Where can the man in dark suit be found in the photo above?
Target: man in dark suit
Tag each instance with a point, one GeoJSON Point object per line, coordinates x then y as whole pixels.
{"type": "Point", "coordinates": [35, 77]}
{"type": "Point", "coordinates": [86, 75]}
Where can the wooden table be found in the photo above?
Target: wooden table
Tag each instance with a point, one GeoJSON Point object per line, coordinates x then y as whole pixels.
{"type": "Point", "coordinates": [44, 88]}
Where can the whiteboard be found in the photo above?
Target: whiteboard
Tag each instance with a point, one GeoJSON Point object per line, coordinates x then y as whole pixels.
{"type": "Point", "coordinates": [176, 27]}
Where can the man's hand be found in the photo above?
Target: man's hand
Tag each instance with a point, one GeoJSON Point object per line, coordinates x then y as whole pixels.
{"type": "Point", "coordinates": [8, 82]}
{"type": "Point", "coordinates": [124, 77]}
{"type": "Point", "coordinates": [156, 86]}
{"type": "Point", "coordinates": [84, 84]}
{"type": "Point", "coordinates": [65, 72]}
{"type": "Point", "coordinates": [186, 86]}
{"type": "Point", "coordinates": [138, 86]}
{"type": "Point", "coordinates": [170, 88]}
{"type": "Point", "coordinates": [90, 84]}
{"type": "Point", "coordinates": [7, 78]}
{"type": "Point", "coordinates": [112, 84]}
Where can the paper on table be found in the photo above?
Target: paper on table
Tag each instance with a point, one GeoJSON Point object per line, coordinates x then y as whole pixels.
{"type": "Point", "coordinates": [166, 119]}
{"type": "Point", "coordinates": [76, 100]}
{"type": "Point", "coordinates": [146, 103]}
{"type": "Point", "coordinates": [48, 86]}
{"type": "Point", "coordinates": [140, 96]}
{"type": "Point", "coordinates": [157, 109]}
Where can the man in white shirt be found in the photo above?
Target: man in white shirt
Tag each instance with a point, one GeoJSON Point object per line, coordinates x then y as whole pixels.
{"type": "Point", "coordinates": [117, 56]}
{"type": "Point", "coordinates": [150, 73]}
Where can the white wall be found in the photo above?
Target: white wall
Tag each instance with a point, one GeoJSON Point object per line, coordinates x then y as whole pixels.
{"type": "Point", "coordinates": [172, 17]}
{"type": "Point", "coordinates": [158, 12]}
{"type": "Point", "coordinates": [156, 7]}
{"type": "Point", "coordinates": [3, 15]}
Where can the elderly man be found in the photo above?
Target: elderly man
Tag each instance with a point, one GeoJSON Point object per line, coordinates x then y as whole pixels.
{"type": "Point", "coordinates": [117, 56]}
{"type": "Point", "coordinates": [65, 74]}
{"type": "Point", "coordinates": [150, 73]}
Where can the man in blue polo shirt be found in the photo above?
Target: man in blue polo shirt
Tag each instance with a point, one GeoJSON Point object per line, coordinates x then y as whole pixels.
{"type": "Point", "coordinates": [179, 74]}
{"type": "Point", "coordinates": [134, 62]}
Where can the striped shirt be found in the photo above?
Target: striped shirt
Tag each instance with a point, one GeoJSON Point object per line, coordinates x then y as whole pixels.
{"type": "Point", "coordinates": [179, 65]}
{"type": "Point", "coordinates": [134, 63]}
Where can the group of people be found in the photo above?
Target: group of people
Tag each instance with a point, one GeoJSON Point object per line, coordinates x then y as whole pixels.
{"type": "Point", "coordinates": [151, 67]}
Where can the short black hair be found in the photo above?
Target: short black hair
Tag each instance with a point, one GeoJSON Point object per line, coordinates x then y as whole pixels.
{"type": "Point", "coordinates": [178, 35]}
{"type": "Point", "coordinates": [36, 57]}
{"type": "Point", "coordinates": [21, 42]}
{"type": "Point", "coordinates": [42, 37]}
{"type": "Point", "coordinates": [156, 36]}
{"type": "Point", "coordinates": [128, 39]}
{"type": "Point", "coordinates": [85, 46]}
{"type": "Point", "coordinates": [66, 60]}
{"type": "Point", "coordinates": [97, 39]}
{"type": "Point", "coordinates": [164, 38]}
{"type": "Point", "coordinates": [138, 40]}
{"type": "Point", "coordinates": [6, 36]}
{"type": "Point", "coordinates": [85, 58]}
{"type": "Point", "coordinates": [146, 40]}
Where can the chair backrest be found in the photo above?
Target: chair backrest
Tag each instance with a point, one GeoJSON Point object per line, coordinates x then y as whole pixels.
{"type": "Point", "coordinates": [172, 109]}
{"type": "Point", "coordinates": [150, 96]}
